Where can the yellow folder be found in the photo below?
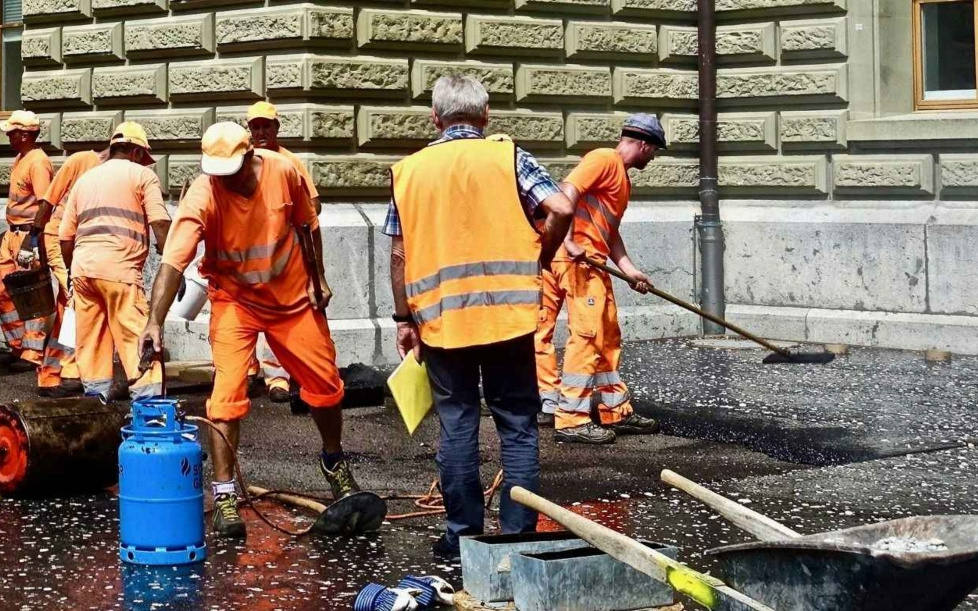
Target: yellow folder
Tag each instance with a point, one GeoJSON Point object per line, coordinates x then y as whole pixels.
{"type": "Point", "coordinates": [411, 390]}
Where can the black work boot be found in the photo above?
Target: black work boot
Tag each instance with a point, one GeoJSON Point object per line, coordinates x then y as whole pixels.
{"type": "Point", "coordinates": [633, 424]}
{"type": "Point", "coordinates": [256, 387]}
{"type": "Point", "coordinates": [586, 433]}
{"type": "Point", "coordinates": [277, 394]}
{"type": "Point", "coordinates": [340, 479]}
{"type": "Point", "coordinates": [226, 522]}
{"type": "Point", "coordinates": [545, 420]}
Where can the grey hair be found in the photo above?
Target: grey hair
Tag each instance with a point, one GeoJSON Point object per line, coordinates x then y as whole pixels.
{"type": "Point", "coordinates": [456, 97]}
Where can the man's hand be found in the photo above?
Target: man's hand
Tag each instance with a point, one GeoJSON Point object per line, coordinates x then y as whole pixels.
{"type": "Point", "coordinates": [321, 304]}
{"type": "Point", "coordinates": [151, 335]}
{"type": "Point", "coordinates": [575, 252]}
{"type": "Point", "coordinates": [408, 340]}
{"type": "Point", "coordinates": [640, 282]}
{"type": "Point", "coordinates": [28, 253]}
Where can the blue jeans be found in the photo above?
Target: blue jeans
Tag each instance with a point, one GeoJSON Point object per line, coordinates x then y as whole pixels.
{"type": "Point", "coordinates": [508, 373]}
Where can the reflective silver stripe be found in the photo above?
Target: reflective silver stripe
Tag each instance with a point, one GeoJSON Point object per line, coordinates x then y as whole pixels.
{"type": "Point", "coordinates": [550, 395]}
{"type": "Point", "coordinates": [575, 405]}
{"type": "Point", "coordinates": [608, 216]}
{"type": "Point", "coordinates": [467, 270]}
{"type": "Point", "coordinates": [274, 372]}
{"type": "Point", "coordinates": [10, 317]}
{"type": "Point", "coordinates": [613, 399]}
{"type": "Point", "coordinates": [607, 378]}
{"type": "Point", "coordinates": [583, 213]}
{"type": "Point", "coordinates": [122, 232]}
{"type": "Point", "coordinates": [474, 300]}
{"type": "Point", "coordinates": [101, 211]}
{"type": "Point", "coordinates": [27, 199]}
{"type": "Point", "coordinates": [36, 325]}
{"type": "Point", "coordinates": [33, 344]}
{"type": "Point", "coordinates": [263, 251]}
{"type": "Point", "coordinates": [577, 380]}
{"type": "Point", "coordinates": [267, 275]}
{"type": "Point", "coordinates": [14, 334]}
{"type": "Point", "coordinates": [97, 387]}
{"type": "Point", "coordinates": [52, 362]}
{"type": "Point", "coordinates": [549, 401]}
{"type": "Point", "coordinates": [144, 392]}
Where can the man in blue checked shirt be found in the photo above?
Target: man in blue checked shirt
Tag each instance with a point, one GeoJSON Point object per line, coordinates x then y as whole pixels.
{"type": "Point", "coordinates": [466, 254]}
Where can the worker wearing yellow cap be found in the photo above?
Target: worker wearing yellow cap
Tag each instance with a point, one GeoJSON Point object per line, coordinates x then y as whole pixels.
{"type": "Point", "coordinates": [264, 125]}
{"type": "Point", "coordinates": [105, 238]}
{"type": "Point", "coordinates": [29, 181]}
{"type": "Point", "coordinates": [249, 208]}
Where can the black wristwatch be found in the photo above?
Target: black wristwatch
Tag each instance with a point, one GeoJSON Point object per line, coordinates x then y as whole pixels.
{"type": "Point", "coordinates": [406, 318]}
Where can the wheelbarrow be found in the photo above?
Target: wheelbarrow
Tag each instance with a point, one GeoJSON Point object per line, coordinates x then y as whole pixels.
{"type": "Point", "coordinates": [847, 570]}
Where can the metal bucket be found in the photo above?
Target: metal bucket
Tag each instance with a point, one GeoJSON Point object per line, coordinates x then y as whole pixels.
{"type": "Point", "coordinates": [32, 292]}
{"type": "Point", "coordinates": [58, 447]}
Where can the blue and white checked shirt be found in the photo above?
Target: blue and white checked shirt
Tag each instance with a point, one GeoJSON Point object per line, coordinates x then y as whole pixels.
{"type": "Point", "coordinates": [535, 184]}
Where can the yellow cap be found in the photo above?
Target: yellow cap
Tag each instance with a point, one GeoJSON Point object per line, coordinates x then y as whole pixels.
{"type": "Point", "coordinates": [130, 132]}
{"type": "Point", "coordinates": [21, 119]}
{"type": "Point", "coordinates": [224, 146]}
{"type": "Point", "coordinates": [262, 110]}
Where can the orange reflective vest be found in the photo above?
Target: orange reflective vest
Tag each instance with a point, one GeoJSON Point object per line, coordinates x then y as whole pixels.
{"type": "Point", "coordinates": [472, 257]}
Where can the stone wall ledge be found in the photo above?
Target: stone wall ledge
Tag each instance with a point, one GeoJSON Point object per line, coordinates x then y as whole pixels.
{"type": "Point", "coordinates": [915, 127]}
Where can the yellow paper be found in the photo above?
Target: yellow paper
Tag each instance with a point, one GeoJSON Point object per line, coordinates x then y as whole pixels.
{"type": "Point", "coordinates": [411, 390]}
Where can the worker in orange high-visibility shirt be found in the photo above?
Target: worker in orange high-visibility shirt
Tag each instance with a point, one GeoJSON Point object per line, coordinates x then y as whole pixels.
{"type": "Point", "coordinates": [29, 180]}
{"type": "Point", "coordinates": [600, 189]}
{"type": "Point", "coordinates": [59, 367]}
{"type": "Point", "coordinates": [105, 241]}
{"type": "Point", "coordinates": [248, 208]}
{"type": "Point", "coordinates": [264, 124]}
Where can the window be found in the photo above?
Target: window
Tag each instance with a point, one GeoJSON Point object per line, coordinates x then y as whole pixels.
{"type": "Point", "coordinates": [944, 52]}
{"type": "Point", "coordinates": [11, 66]}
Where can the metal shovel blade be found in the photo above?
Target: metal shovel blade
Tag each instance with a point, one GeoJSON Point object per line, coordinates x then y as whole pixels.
{"type": "Point", "coordinates": [358, 513]}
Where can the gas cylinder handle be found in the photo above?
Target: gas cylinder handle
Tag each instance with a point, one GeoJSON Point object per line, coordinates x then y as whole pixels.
{"type": "Point", "coordinates": [146, 412]}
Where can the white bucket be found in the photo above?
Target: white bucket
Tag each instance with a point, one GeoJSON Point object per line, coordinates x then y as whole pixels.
{"type": "Point", "coordinates": [67, 336]}
{"type": "Point", "coordinates": [193, 300]}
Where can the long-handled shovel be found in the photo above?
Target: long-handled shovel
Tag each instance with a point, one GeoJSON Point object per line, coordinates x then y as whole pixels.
{"type": "Point", "coordinates": [780, 355]}
{"type": "Point", "coordinates": [707, 591]}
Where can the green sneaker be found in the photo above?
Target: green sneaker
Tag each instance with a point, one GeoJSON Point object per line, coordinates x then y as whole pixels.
{"type": "Point", "coordinates": [226, 522]}
{"type": "Point", "coordinates": [340, 479]}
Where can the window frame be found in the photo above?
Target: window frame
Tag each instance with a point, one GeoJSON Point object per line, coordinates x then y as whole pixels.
{"type": "Point", "coordinates": [918, 62]}
{"type": "Point", "coordinates": [16, 25]}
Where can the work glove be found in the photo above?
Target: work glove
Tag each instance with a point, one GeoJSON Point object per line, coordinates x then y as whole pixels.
{"type": "Point", "coordinates": [433, 590]}
{"type": "Point", "coordinates": [28, 253]}
{"type": "Point", "coordinates": [375, 597]}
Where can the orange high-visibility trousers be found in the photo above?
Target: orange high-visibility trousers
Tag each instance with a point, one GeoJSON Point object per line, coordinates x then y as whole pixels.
{"type": "Point", "coordinates": [301, 341]}
{"type": "Point", "coordinates": [275, 375]}
{"type": "Point", "coordinates": [548, 373]}
{"type": "Point", "coordinates": [59, 361]}
{"type": "Point", "coordinates": [25, 337]}
{"type": "Point", "coordinates": [593, 350]}
{"type": "Point", "coordinates": [112, 314]}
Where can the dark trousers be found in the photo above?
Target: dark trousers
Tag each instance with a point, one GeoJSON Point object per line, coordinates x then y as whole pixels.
{"type": "Point", "coordinates": [509, 381]}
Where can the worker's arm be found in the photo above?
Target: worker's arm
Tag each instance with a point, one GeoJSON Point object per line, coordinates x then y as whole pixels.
{"type": "Point", "coordinates": [408, 339]}
{"type": "Point", "coordinates": [560, 217]}
{"type": "Point", "coordinates": [317, 205]}
{"type": "Point", "coordinates": [640, 282]}
{"type": "Point", "coordinates": [327, 296]}
{"type": "Point", "coordinates": [160, 230]}
{"type": "Point", "coordinates": [304, 212]}
{"type": "Point", "coordinates": [42, 216]}
{"type": "Point", "coordinates": [164, 292]}
{"type": "Point", "coordinates": [67, 252]}
{"type": "Point", "coordinates": [575, 252]}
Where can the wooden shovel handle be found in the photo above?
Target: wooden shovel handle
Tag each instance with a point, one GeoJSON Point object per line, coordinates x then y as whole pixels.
{"type": "Point", "coordinates": [288, 499]}
{"type": "Point", "coordinates": [759, 525]}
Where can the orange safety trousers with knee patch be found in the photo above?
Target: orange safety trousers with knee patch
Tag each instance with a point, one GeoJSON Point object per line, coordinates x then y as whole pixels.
{"type": "Point", "coordinates": [300, 340]}
{"type": "Point", "coordinates": [111, 315]}
{"type": "Point", "coordinates": [593, 350]}
{"type": "Point", "coordinates": [26, 337]}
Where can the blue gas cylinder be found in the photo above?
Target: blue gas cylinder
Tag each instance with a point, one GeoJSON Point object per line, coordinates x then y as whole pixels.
{"type": "Point", "coordinates": [161, 487]}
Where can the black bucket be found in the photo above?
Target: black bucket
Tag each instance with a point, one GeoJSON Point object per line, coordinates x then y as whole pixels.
{"type": "Point", "coordinates": [32, 292]}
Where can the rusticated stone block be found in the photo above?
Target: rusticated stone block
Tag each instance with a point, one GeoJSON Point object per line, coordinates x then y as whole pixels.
{"type": "Point", "coordinates": [286, 72]}
{"type": "Point", "coordinates": [735, 131]}
{"type": "Point", "coordinates": [891, 174]}
{"type": "Point", "coordinates": [104, 8]}
{"type": "Point", "coordinates": [378, 28]}
{"type": "Point", "coordinates": [511, 35]}
{"type": "Point", "coordinates": [739, 43]}
{"type": "Point", "coordinates": [563, 6]}
{"type": "Point", "coordinates": [819, 129]}
{"type": "Point", "coordinates": [139, 83]}
{"type": "Point", "coordinates": [41, 47]}
{"type": "Point", "coordinates": [6, 166]}
{"type": "Point", "coordinates": [284, 26]}
{"type": "Point", "coordinates": [780, 7]}
{"type": "Point", "coordinates": [331, 122]}
{"type": "Point", "coordinates": [527, 127]}
{"type": "Point", "coordinates": [568, 82]}
{"type": "Point", "coordinates": [171, 36]}
{"type": "Point", "coordinates": [89, 127]}
{"type": "Point", "coordinates": [827, 83]}
{"type": "Point", "coordinates": [591, 130]}
{"type": "Point", "coordinates": [599, 39]}
{"type": "Point", "coordinates": [771, 175]}
{"type": "Point", "coordinates": [360, 74]}
{"type": "Point", "coordinates": [483, 4]}
{"type": "Point", "coordinates": [292, 119]}
{"type": "Point", "coordinates": [180, 170]}
{"type": "Point", "coordinates": [667, 175]}
{"type": "Point", "coordinates": [56, 10]}
{"type": "Point", "coordinates": [815, 38]}
{"type": "Point", "coordinates": [559, 167]}
{"type": "Point", "coordinates": [959, 174]}
{"type": "Point", "coordinates": [225, 78]}
{"type": "Point", "coordinates": [655, 8]}
{"type": "Point", "coordinates": [496, 78]}
{"type": "Point", "coordinates": [637, 86]}
{"type": "Point", "coordinates": [356, 174]}
{"type": "Point", "coordinates": [92, 42]}
{"type": "Point", "coordinates": [174, 126]}
{"type": "Point", "coordinates": [392, 126]}
{"type": "Point", "coordinates": [64, 87]}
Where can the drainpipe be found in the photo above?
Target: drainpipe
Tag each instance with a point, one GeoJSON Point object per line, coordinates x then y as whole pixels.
{"type": "Point", "coordinates": [708, 224]}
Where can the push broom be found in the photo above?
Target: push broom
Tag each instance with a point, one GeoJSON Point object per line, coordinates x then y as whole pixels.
{"type": "Point", "coordinates": [778, 355]}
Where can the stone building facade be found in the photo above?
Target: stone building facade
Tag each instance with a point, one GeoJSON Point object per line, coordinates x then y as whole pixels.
{"type": "Point", "coordinates": [848, 217]}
